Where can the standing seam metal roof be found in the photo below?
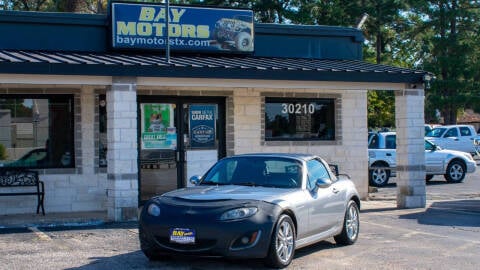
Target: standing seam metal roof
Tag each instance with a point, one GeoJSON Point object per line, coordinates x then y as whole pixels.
{"type": "Point", "coordinates": [235, 66]}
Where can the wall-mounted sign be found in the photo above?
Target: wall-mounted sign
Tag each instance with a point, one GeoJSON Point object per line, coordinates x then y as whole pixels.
{"type": "Point", "coordinates": [143, 26]}
{"type": "Point", "coordinates": [202, 125]}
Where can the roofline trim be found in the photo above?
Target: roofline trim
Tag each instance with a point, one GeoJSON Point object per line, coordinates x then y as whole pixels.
{"type": "Point", "coordinates": [209, 72]}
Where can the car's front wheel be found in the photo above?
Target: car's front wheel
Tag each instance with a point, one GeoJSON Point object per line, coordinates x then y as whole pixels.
{"type": "Point", "coordinates": [455, 171]}
{"type": "Point", "coordinates": [149, 249]}
{"type": "Point", "coordinates": [282, 245]}
{"type": "Point", "coordinates": [378, 177]}
{"type": "Point", "coordinates": [351, 225]}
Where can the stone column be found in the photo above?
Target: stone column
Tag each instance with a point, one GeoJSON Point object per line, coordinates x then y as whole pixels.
{"type": "Point", "coordinates": [122, 154]}
{"type": "Point", "coordinates": [409, 106]}
{"type": "Point", "coordinates": [87, 138]}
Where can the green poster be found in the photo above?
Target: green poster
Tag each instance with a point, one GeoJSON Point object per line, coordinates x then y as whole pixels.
{"type": "Point", "coordinates": [157, 127]}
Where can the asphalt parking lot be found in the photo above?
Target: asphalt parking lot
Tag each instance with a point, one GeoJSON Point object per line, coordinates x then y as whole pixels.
{"type": "Point", "coordinates": [444, 235]}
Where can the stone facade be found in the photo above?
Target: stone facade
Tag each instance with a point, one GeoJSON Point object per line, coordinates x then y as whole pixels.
{"type": "Point", "coordinates": [114, 189]}
{"type": "Point", "coordinates": [411, 190]}
{"type": "Point", "coordinates": [122, 150]}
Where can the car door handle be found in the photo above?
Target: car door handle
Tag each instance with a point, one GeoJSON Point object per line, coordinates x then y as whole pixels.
{"type": "Point", "coordinates": [388, 154]}
{"type": "Point", "coordinates": [334, 190]}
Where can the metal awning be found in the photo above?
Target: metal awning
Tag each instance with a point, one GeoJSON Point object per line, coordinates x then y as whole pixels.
{"type": "Point", "coordinates": [204, 66]}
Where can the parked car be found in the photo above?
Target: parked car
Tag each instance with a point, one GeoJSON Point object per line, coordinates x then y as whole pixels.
{"type": "Point", "coordinates": [429, 127]}
{"type": "Point", "coordinates": [253, 206]}
{"type": "Point", "coordinates": [455, 137]}
{"type": "Point", "coordinates": [382, 160]}
{"type": "Point", "coordinates": [33, 158]}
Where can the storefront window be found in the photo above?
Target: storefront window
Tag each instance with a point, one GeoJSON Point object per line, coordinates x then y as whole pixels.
{"type": "Point", "coordinates": [36, 132]}
{"type": "Point", "coordinates": [299, 119]}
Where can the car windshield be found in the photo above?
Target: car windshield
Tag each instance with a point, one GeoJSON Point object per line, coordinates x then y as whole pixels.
{"type": "Point", "coordinates": [436, 132]}
{"type": "Point", "coordinates": [256, 171]}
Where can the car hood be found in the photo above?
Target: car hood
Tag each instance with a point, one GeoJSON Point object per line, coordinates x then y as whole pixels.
{"type": "Point", "coordinates": [447, 152]}
{"type": "Point", "coordinates": [230, 192]}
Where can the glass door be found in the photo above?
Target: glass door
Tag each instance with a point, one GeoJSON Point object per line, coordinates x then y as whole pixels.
{"type": "Point", "coordinates": [158, 148]}
{"type": "Point", "coordinates": [201, 138]}
{"type": "Point", "coordinates": [178, 138]}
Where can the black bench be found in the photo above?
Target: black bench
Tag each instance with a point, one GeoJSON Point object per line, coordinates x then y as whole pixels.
{"type": "Point", "coordinates": [14, 178]}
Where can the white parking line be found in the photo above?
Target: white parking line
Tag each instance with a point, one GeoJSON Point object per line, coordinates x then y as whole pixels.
{"type": "Point", "coordinates": [409, 232]}
{"type": "Point", "coordinates": [41, 235]}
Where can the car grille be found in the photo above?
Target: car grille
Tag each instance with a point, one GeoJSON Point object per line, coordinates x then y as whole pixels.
{"type": "Point", "coordinates": [200, 244]}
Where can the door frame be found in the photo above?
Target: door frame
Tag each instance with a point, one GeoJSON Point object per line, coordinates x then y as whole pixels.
{"type": "Point", "coordinates": [179, 101]}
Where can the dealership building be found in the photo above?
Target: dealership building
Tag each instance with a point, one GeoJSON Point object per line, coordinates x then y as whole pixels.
{"type": "Point", "coordinates": [109, 115]}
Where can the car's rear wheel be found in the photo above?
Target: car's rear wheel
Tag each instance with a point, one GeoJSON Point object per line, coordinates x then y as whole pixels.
{"type": "Point", "coordinates": [351, 225]}
{"type": "Point", "coordinates": [243, 41]}
{"type": "Point", "coordinates": [378, 177]}
{"type": "Point", "coordinates": [282, 245]}
{"type": "Point", "coordinates": [428, 177]}
{"type": "Point", "coordinates": [455, 171]}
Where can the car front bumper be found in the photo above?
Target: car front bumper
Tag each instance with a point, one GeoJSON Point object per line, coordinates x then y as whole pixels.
{"type": "Point", "coordinates": [213, 237]}
{"type": "Point", "coordinates": [471, 166]}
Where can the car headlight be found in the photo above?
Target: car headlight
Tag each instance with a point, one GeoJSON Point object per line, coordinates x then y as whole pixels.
{"type": "Point", "coordinates": [239, 213]}
{"type": "Point", "coordinates": [153, 210]}
{"type": "Point", "coordinates": [469, 156]}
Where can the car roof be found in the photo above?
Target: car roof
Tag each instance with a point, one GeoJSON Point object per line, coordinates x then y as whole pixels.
{"type": "Point", "coordinates": [297, 156]}
{"type": "Point", "coordinates": [449, 126]}
{"type": "Point", "coordinates": [385, 133]}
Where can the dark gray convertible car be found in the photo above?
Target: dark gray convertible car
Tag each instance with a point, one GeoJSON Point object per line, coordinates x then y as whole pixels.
{"type": "Point", "coordinates": [253, 206]}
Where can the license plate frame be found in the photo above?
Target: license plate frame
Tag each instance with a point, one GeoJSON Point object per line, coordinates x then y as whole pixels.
{"type": "Point", "coordinates": [185, 236]}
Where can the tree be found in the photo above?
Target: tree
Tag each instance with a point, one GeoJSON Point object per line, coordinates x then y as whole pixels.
{"type": "Point", "coordinates": [449, 30]}
{"type": "Point", "coordinates": [78, 6]}
{"type": "Point", "coordinates": [379, 110]}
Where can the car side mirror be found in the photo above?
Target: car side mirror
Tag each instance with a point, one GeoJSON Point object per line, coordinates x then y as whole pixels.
{"type": "Point", "coordinates": [334, 168]}
{"type": "Point", "coordinates": [322, 183]}
{"type": "Point", "coordinates": [195, 180]}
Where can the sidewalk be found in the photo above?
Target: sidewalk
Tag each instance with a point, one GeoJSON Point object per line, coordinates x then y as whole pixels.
{"type": "Point", "coordinates": [377, 202]}
{"type": "Point", "coordinates": [53, 219]}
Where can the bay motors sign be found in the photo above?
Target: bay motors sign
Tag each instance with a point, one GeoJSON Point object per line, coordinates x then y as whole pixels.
{"type": "Point", "coordinates": [144, 26]}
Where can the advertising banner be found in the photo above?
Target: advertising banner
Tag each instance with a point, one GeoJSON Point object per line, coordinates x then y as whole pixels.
{"type": "Point", "coordinates": [202, 125]}
{"type": "Point", "coordinates": [158, 131]}
{"type": "Point", "coordinates": [143, 26]}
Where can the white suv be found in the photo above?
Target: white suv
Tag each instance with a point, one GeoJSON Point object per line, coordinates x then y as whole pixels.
{"type": "Point", "coordinates": [382, 160]}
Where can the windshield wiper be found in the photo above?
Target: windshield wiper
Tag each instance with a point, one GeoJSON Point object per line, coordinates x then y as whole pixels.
{"type": "Point", "coordinates": [250, 184]}
{"type": "Point", "coordinates": [211, 183]}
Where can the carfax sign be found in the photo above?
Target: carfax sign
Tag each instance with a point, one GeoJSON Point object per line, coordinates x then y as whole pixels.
{"type": "Point", "coordinates": [202, 125]}
{"type": "Point", "coordinates": [143, 26]}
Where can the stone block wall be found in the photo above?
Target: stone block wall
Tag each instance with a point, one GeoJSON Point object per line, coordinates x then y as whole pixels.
{"type": "Point", "coordinates": [349, 150]}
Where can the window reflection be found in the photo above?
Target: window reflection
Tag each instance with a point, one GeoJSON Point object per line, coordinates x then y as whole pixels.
{"type": "Point", "coordinates": [36, 132]}
{"type": "Point", "coordinates": [299, 119]}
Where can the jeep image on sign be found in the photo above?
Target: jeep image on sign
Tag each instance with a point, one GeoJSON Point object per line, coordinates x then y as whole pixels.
{"type": "Point", "coordinates": [235, 33]}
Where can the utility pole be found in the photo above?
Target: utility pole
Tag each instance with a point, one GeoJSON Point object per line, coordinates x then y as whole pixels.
{"type": "Point", "coordinates": [167, 22]}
